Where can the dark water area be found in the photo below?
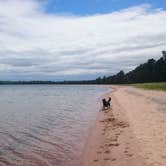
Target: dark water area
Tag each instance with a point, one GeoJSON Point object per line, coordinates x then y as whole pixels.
{"type": "Point", "coordinates": [46, 125]}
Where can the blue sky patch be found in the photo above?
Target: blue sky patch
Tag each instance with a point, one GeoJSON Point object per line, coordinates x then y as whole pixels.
{"type": "Point", "coordinates": [91, 7]}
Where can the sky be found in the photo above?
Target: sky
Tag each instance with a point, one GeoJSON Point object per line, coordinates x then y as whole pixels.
{"type": "Point", "coordinates": [78, 39]}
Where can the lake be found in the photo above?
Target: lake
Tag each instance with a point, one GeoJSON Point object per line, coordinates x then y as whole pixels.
{"type": "Point", "coordinates": [46, 125]}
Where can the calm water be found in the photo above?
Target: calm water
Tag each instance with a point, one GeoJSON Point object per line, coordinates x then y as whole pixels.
{"type": "Point", "coordinates": [46, 125]}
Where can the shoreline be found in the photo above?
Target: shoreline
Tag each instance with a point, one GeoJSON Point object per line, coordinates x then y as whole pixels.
{"type": "Point", "coordinates": [132, 133]}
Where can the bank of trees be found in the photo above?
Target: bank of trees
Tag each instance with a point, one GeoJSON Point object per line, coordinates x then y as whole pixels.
{"type": "Point", "coordinates": [151, 71]}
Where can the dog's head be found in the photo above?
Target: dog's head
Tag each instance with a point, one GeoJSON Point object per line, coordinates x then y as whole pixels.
{"type": "Point", "coordinates": [109, 98]}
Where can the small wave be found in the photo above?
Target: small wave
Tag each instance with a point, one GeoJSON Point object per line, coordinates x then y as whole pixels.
{"type": "Point", "coordinates": [29, 135]}
{"type": "Point", "coordinates": [14, 138]}
{"type": "Point", "coordinates": [5, 162]}
{"type": "Point", "coordinates": [39, 161]}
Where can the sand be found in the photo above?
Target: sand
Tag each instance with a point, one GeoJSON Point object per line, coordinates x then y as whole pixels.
{"type": "Point", "coordinates": [132, 132]}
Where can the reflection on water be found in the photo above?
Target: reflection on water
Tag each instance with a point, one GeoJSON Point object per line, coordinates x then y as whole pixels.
{"type": "Point", "coordinates": [45, 125]}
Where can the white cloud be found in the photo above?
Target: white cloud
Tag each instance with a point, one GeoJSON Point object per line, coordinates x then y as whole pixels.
{"type": "Point", "coordinates": [36, 45]}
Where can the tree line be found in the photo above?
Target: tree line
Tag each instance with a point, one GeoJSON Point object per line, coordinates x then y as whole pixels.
{"type": "Point", "coordinates": [151, 71]}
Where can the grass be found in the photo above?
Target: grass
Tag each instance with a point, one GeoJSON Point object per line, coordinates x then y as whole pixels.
{"type": "Point", "coordinates": [151, 86]}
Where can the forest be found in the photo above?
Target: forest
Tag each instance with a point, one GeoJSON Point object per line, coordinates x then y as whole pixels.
{"type": "Point", "coordinates": [151, 71]}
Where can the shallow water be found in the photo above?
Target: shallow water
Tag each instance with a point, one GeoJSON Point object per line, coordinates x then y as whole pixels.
{"type": "Point", "coordinates": [46, 125]}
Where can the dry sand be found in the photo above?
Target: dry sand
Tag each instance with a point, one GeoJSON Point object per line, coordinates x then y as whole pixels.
{"type": "Point", "coordinates": [132, 133]}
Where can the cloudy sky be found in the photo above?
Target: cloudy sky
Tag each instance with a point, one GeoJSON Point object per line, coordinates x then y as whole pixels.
{"type": "Point", "coordinates": [78, 39]}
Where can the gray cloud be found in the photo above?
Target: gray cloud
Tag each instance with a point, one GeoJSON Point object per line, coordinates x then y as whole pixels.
{"type": "Point", "coordinates": [18, 62]}
{"type": "Point", "coordinates": [35, 45]}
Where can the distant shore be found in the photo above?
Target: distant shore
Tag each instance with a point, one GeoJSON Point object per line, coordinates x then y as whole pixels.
{"type": "Point", "coordinates": [132, 133]}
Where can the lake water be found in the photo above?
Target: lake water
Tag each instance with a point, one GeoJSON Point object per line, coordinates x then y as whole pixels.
{"type": "Point", "coordinates": [46, 125]}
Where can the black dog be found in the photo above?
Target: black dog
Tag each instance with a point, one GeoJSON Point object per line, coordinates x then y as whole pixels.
{"type": "Point", "coordinates": [106, 104]}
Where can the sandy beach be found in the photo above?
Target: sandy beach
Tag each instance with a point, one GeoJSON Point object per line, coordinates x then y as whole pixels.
{"type": "Point", "coordinates": [132, 132]}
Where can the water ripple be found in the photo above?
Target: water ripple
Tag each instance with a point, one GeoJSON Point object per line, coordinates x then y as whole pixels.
{"type": "Point", "coordinates": [42, 125]}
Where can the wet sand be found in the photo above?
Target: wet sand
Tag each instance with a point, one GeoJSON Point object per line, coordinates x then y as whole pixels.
{"type": "Point", "coordinates": [132, 132]}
